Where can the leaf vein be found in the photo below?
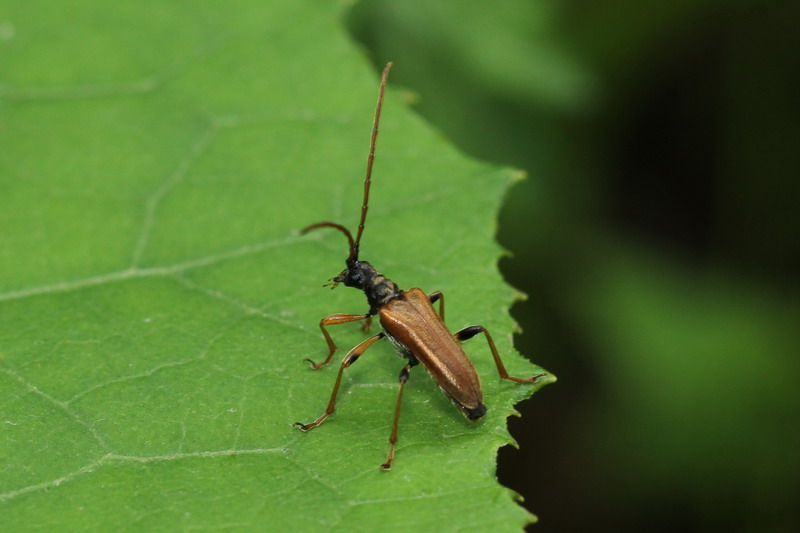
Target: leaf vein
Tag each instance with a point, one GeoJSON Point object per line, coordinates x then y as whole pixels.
{"type": "Point", "coordinates": [200, 147]}
{"type": "Point", "coordinates": [62, 406]}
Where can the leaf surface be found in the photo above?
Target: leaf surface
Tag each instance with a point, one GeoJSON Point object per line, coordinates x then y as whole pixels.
{"type": "Point", "coordinates": [156, 299]}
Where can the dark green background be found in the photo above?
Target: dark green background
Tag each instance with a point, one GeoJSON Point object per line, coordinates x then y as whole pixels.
{"type": "Point", "coordinates": [657, 238]}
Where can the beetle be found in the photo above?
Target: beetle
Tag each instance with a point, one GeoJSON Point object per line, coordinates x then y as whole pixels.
{"type": "Point", "coordinates": [408, 319]}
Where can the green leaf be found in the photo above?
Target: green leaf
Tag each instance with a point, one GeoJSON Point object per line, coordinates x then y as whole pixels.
{"type": "Point", "coordinates": [157, 300]}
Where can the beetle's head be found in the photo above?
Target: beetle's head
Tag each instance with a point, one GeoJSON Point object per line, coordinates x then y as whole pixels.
{"type": "Point", "coordinates": [358, 274]}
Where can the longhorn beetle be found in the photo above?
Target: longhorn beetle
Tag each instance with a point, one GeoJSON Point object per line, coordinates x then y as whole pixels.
{"type": "Point", "coordinates": [408, 320]}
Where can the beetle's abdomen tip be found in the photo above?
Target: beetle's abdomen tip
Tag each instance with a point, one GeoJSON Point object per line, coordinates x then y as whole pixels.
{"type": "Point", "coordinates": [476, 413]}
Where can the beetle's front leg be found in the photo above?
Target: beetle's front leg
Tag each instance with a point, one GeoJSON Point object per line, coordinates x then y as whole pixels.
{"type": "Point", "coordinates": [471, 331]}
{"type": "Point", "coordinates": [332, 321]}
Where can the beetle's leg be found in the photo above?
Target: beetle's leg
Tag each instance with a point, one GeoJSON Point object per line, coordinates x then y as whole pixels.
{"type": "Point", "coordinates": [348, 360]}
{"type": "Point", "coordinates": [367, 325]}
{"type": "Point", "coordinates": [393, 438]}
{"type": "Point", "coordinates": [332, 321]}
{"type": "Point", "coordinates": [433, 297]}
{"type": "Point", "coordinates": [471, 331]}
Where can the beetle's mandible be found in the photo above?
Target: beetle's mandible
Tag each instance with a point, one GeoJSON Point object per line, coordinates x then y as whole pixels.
{"type": "Point", "coordinates": [408, 320]}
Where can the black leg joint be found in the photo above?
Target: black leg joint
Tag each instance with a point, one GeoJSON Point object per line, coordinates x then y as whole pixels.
{"type": "Point", "coordinates": [468, 332]}
{"type": "Point", "coordinates": [404, 375]}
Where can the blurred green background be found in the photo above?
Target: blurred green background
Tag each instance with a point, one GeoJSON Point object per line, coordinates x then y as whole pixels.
{"type": "Point", "coordinates": [656, 237]}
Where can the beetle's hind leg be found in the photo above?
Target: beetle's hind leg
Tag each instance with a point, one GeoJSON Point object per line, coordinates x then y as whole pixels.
{"type": "Point", "coordinates": [471, 331]}
{"type": "Point", "coordinates": [393, 438]}
{"type": "Point", "coordinates": [351, 357]}
{"type": "Point", "coordinates": [332, 321]}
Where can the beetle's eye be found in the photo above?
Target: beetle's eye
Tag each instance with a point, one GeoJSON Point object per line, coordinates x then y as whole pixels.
{"type": "Point", "coordinates": [355, 278]}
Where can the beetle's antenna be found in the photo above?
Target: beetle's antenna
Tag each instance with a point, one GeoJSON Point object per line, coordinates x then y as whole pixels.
{"type": "Point", "coordinates": [353, 257]}
{"type": "Point", "coordinates": [334, 226]}
{"type": "Point", "coordinates": [370, 160]}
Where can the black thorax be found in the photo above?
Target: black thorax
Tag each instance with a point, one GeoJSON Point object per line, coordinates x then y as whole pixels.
{"type": "Point", "coordinates": [362, 276]}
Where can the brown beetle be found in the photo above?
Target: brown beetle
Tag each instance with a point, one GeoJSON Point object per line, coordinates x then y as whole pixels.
{"type": "Point", "coordinates": [408, 320]}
